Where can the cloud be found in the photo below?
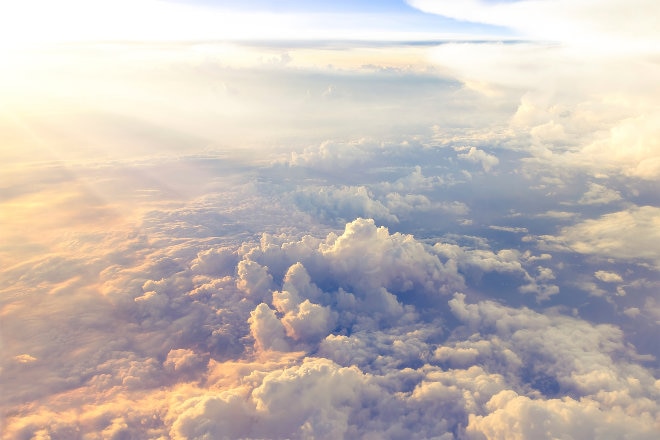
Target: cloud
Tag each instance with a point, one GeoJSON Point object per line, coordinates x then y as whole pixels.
{"type": "Point", "coordinates": [475, 262]}
{"type": "Point", "coordinates": [221, 416]}
{"type": "Point", "coordinates": [608, 277]}
{"type": "Point", "coordinates": [415, 181]}
{"type": "Point", "coordinates": [487, 161]}
{"type": "Point", "coordinates": [330, 155]}
{"type": "Point", "coordinates": [353, 340]}
{"type": "Point", "coordinates": [553, 419]}
{"type": "Point", "coordinates": [254, 279]}
{"type": "Point", "coordinates": [268, 331]}
{"type": "Point", "coordinates": [544, 349]}
{"type": "Point", "coordinates": [413, 204]}
{"type": "Point", "coordinates": [571, 115]}
{"type": "Point", "coordinates": [509, 229]}
{"type": "Point", "coordinates": [386, 201]}
{"type": "Point", "coordinates": [24, 358]}
{"type": "Point", "coordinates": [633, 143]}
{"type": "Point", "coordinates": [199, 291]}
{"type": "Point", "coordinates": [343, 203]}
{"type": "Point", "coordinates": [365, 277]}
{"type": "Point", "coordinates": [599, 194]}
{"type": "Point", "coordinates": [584, 22]}
{"type": "Point", "coordinates": [631, 234]}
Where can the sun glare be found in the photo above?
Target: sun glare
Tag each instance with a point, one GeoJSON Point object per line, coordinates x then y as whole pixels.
{"type": "Point", "coordinates": [38, 22]}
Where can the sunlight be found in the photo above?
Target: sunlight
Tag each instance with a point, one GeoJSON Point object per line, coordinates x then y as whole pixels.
{"type": "Point", "coordinates": [38, 22]}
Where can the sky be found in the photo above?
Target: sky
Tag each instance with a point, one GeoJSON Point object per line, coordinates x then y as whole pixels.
{"type": "Point", "coordinates": [323, 220]}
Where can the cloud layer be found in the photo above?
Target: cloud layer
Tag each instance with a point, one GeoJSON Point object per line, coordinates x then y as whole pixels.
{"type": "Point", "coordinates": [217, 241]}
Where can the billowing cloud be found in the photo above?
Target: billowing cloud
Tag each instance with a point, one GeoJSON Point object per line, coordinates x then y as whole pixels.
{"type": "Point", "coordinates": [343, 203]}
{"type": "Point", "coordinates": [476, 155]}
{"type": "Point", "coordinates": [631, 234]}
{"type": "Point", "coordinates": [553, 419]}
{"type": "Point", "coordinates": [347, 335]}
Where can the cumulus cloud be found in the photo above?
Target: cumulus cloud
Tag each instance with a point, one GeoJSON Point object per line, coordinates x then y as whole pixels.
{"type": "Point", "coordinates": [268, 331]}
{"type": "Point", "coordinates": [343, 203]}
{"type": "Point", "coordinates": [633, 143]}
{"type": "Point", "coordinates": [330, 155]}
{"type": "Point", "coordinates": [344, 336]}
{"type": "Point", "coordinates": [487, 161]}
{"type": "Point", "coordinates": [630, 234]}
{"type": "Point", "coordinates": [553, 418]}
{"type": "Point", "coordinates": [399, 270]}
{"type": "Point", "coordinates": [476, 262]}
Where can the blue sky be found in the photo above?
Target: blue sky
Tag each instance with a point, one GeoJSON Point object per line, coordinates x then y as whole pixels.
{"type": "Point", "coordinates": [323, 6]}
{"type": "Point", "coordinates": [301, 5]}
{"type": "Point", "coordinates": [396, 14]}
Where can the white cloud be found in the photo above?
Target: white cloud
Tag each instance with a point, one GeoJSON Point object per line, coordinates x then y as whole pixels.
{"type": "Point", "coordinates": [632, 143]}
{"type": "Point", "coordinates": [591, 287]}
{"type": "Point", "coordinates": [557, 347]}
{"type": "Point", "coordinates": [220, 416]}
{"type": "Point", "coordinates": [254, 280]}
{"type": "Point", "coordinates": [208, 304]}
{"type": "Point", "coordinates": [268, 331]}
{"type": "Point", "coordinates": [24, 358]}
{"type": "Point", "coordinates": [183, 360]}
{"type": "Point", "coordinates": [414, 182]}
{"type": "Point", "coordinates": [632, 234]}
{"type": "Point", "coordinates": [406, 206]}
{"type": "Point", "coordinates": [330, 155]}
{"type": "Point", "coordinates": [608, 277]}
{"type": "Point", "coordinates": [518, 417]}
{"type": "Point", "coordinates": [599, 194]}
{"type": "Point", "coordinates": [379, 369]}
{"type": "Point", "coordinates": [612, 23]}
{"type": "Point", "coordinates": [487, 161]}
{"type": "Point", "coordinates": [506, 261]}
{"type": "Point", "coordinates": [343, 203]}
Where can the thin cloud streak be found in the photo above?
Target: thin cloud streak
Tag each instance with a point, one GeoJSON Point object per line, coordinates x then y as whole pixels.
{"type": "Point", "coordinates": [610, 26]}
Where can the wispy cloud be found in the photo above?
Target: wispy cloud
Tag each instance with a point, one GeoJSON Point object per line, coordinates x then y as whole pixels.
{"type": "Point", "coordinates": [610, 25]}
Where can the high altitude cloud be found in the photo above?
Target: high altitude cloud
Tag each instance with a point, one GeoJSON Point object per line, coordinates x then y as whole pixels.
{"type": "Point", "coordinates": [610, 22]}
